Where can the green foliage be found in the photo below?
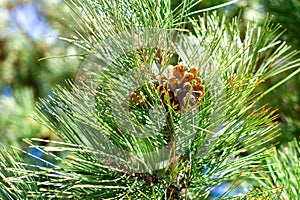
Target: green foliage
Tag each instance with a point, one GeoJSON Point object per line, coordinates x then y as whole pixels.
{"type": "Point", "coordinates": [285, 13]}
{"type": "Point", "coordinates": [21, 70]}
{"type": "Point", "coordinates": [280, 173]}
{"type": "Point", "coordinates": [286, 97]}
{"type": "Point", "coordinates": [15, 123]}
{"type": "Point", "coordinates": [20, 65]}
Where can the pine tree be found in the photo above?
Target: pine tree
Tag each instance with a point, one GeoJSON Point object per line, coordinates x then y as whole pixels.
{"type": "Point", "coordinates": [157, 110]}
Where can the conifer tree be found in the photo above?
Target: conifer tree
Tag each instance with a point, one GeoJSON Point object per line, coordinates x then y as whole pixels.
{"type": "Point", "coordinates": [157, 110]}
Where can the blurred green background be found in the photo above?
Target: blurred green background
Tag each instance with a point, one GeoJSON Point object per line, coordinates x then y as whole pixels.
{"type": "Point", "coordinates": [34, 29]}
{"type": "Point", "coordinates": [29, 31]}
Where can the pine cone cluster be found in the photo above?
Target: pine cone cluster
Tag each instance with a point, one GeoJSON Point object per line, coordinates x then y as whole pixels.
{"type": "Point", "coordinates": [180, 88]}
{"type": "Point", "coordinates": [177, 87]}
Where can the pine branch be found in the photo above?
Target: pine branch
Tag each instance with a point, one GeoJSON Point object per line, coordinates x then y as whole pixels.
{"type": "Point", "coordinates": [208, 129]}
{"type": "Point", "coordinates": [279, 176]}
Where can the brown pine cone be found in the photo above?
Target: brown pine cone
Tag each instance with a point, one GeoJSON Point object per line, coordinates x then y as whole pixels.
{"type": "Point", "coordinates": [177, 88]}
{"type": "Point", "coordinates": [183, 86]}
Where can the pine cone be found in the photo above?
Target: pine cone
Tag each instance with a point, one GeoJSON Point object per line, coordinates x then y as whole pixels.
{"type": "Point", "coordinates": [177, 88]}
